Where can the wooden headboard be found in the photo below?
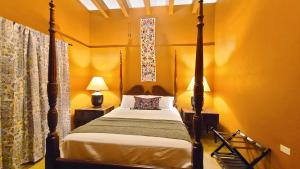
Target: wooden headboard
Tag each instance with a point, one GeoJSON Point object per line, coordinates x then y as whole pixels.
{"type": "Point", "coordinates": [140, 90]}
{"type": "Point", "coordinates": [160, 91]}
{"type": "Point", "coordinates": [136, 90]}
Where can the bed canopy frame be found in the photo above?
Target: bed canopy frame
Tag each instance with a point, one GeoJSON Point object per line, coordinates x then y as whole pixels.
{"type": "Point", "coordinates": [53, 160]}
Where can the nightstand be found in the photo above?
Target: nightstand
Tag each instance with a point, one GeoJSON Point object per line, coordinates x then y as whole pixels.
{"type": "Point", "coordinates": [85, 115]}
{"type": "Point", "coordinates": [210, 119]}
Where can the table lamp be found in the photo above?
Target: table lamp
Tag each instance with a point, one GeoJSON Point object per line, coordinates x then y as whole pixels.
{"type": "Point", "coordinates": [191, 88]}
{"type": "Point", "coordinates": [97, 84]}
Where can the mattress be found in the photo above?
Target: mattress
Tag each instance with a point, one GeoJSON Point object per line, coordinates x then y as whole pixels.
{"type": "Point", "coordinates": [134, 150]}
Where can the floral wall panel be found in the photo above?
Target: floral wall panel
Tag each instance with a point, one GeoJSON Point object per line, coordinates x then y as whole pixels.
{"type": "Point", "coordinates": [148, 60]}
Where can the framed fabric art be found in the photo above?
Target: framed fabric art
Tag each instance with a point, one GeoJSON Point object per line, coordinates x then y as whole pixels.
{"type": "Point", "coordinates": [148, 57]}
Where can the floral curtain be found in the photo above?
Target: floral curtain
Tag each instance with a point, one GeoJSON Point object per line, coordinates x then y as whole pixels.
{"type": "Point", "coordinates": [23, 93]}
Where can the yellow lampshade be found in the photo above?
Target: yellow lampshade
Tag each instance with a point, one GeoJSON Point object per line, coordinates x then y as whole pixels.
{"type": "Point", "coordinates": [205, 84]}
{"type": "Point", "coordinates": [97, 84]}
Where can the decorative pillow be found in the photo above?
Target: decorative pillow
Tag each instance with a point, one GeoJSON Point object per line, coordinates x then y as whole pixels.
{"type": "Point", "coordinates": [146, 103]}
{"type": "Point", "coordinates": [165, 102]}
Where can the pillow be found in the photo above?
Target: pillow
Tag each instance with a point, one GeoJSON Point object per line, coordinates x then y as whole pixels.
{"type": "Point", "coordinates": [147, 96]}
{"type": "Point", "coordinates": [146, 103]}
{"type": "Point", "coordinates": [166, 102]}
{"type": "Point", "coordinates": [127, 101]}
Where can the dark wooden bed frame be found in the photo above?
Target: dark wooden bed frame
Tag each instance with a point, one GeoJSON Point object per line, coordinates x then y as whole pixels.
{"type": "Point", "coordinates": [53, 160]}
{"type": "Point", "coordinates": [140, 90]}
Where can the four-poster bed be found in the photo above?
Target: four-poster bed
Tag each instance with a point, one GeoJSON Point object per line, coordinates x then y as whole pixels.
{"type": "Point", "coordinates": [53, 159]}
{"type": "Point", "coordinates": [130, 145]}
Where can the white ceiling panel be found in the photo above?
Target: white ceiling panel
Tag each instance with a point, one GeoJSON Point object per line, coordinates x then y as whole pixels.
{"type": "Point", "coordinates": [135, 3]}
{"type": "Point", "coordinates": [183, 2]}
{"type": "Point", "coordinates": [210, 1]}
{"type": "Point", "coordinates": [159, 2]}
{"type": "Point", "coordinates": [89, 5]}
{"type": "Point", "coordinates": [111, 4]}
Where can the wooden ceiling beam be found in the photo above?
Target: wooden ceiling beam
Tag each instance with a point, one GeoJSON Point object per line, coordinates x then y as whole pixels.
{"type": "Point", "coordinates": [101, 9]}
{"type": "Point", "coordinates": [123, 7]}
{"type": "Point", "coordinates": [195, 6]}
{"type": "Point", "coordinates": [171, 7]}
{"type": "Point", "coordinates": [148, 7]}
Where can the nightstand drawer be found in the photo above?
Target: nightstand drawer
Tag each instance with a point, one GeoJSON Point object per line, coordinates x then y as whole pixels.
{"type": "Point", "coordinates": [85, 115]}
{"type": "Point", "coordinates": [210, 120]}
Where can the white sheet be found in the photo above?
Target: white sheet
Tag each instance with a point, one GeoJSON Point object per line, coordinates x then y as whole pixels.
{"type": "Point", "coordinates": [131, 149]}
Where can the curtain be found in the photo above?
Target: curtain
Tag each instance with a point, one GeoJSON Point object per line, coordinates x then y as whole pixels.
{"type": "Point", "coordinates": [23, 93]}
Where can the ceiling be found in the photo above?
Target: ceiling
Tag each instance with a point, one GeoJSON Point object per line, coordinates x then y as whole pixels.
{"type": "Point", "coordinates": [103, 5]}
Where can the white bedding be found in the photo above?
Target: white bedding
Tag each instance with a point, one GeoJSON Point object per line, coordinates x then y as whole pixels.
{"type": "Point", "coordinates": [131, 149]}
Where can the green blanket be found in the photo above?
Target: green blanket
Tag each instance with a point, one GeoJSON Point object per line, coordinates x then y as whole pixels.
{"type": "Point", "coordinates": [141, 127]}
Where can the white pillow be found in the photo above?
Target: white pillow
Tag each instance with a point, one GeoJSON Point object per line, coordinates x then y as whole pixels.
{"type": "Point", "coordinates": [166, 102]}
{"type": "Point", "coordinates": [127, 101]}
{"type": "Point", "coordinates": [147, 96]}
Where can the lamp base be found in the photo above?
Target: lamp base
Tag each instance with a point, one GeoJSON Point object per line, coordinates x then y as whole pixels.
{"type": "Point", "coordinates": [97, 99]}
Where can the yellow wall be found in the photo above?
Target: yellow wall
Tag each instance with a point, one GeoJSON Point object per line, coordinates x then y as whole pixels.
{"type": "Point", "coordinates": [35, 14]}
{"type": "Point", "coordinates": [179, 28]}
{"type": "Point", "coordinates": [80, 76]}
{"type": "Point", "coordinates": [105, 62]}
{"type": "Point", "coordinates": [257, 75]}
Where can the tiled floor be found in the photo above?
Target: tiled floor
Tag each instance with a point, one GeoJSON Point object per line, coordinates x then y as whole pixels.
{"type": "Point", "coordinates": [209, 162]}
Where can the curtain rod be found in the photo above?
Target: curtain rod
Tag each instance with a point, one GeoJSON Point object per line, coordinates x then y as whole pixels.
{"type": "Point", "coordinates": [125, 45]}
{"type": "Point", "coordinates": [175, 44]}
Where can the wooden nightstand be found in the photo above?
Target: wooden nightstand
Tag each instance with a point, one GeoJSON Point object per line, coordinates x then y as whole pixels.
{"type": "Point", "coordinates": [85, 115]}
{"type": "Point", "coordinates": [210, 119]}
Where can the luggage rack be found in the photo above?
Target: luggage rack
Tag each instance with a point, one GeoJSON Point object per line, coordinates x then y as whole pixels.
{"type": "Point", "coordinates": [232, 158]}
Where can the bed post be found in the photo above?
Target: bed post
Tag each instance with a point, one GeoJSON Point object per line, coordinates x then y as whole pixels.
{"type": "Point", "coordinates": [175, 79]}
{"type": "Point", "coordinates": [52, 141]}
{"type": "Point", "coordinates": [121, 76]}
{"type": "Point", "coordinates": [198, 94]}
